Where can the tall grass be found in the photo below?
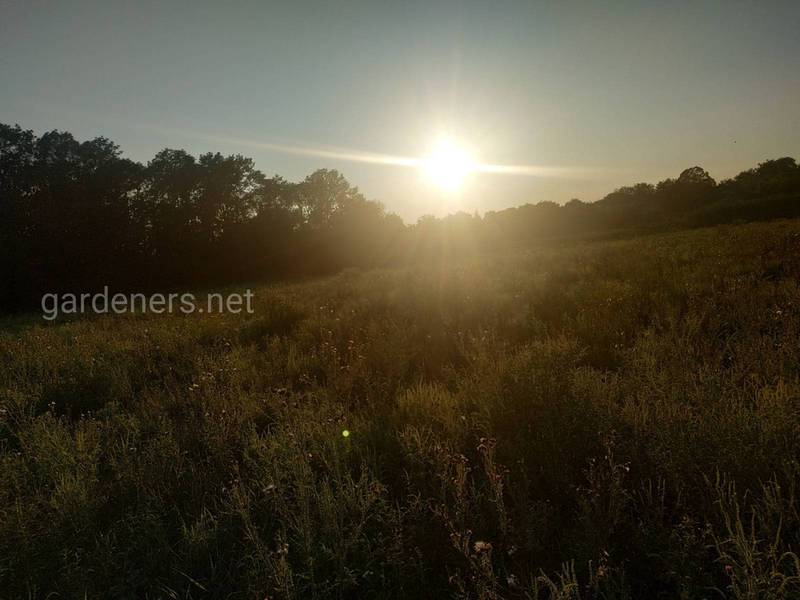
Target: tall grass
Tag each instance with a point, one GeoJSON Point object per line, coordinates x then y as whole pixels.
{"type": "Point", "coordinates": [608, 420]}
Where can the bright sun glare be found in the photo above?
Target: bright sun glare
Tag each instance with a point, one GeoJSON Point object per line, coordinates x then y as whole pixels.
{"type": "Point", "coordinates": [447, 166]}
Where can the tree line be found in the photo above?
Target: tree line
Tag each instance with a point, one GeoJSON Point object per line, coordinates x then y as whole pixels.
{"type": "Point", "coordinates": [77, 216]}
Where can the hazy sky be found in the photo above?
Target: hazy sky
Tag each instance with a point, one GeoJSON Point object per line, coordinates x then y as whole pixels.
{"type": "Point", "coordinates": [626, 91]}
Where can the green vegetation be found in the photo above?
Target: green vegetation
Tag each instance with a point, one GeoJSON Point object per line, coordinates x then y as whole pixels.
{"type": "Point", "coordinates": [616, 419]}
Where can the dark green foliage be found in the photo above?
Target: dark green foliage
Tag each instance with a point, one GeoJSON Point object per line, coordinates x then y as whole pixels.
{"type": "Point", "coordinates": [593, 420]}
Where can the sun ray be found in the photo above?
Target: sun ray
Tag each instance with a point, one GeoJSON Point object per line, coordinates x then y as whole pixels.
{"type": "Point", "coordinates": [452, 163]}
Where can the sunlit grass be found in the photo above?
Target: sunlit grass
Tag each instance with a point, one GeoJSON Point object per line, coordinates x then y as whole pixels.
{"type": "Point", "coordinates": [615, 419]}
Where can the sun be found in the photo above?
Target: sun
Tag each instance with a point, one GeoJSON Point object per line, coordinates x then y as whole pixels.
{"type": "Point", "coordinates": [447, 166]}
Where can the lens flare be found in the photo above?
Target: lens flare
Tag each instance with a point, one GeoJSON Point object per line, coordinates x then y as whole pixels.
{"type": "Point", "coordinates": [447, 166]}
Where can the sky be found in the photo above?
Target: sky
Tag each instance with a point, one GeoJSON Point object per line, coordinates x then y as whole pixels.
{"type": "Point", "coordinates": [614, 92]}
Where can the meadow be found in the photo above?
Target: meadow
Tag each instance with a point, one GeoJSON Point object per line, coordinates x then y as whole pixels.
{"type": "Point", "coordinates": [611, 419]}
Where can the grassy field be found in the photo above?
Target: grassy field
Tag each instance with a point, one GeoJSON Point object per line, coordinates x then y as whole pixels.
{"type": "Point", "coordinates": [609, 420]}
